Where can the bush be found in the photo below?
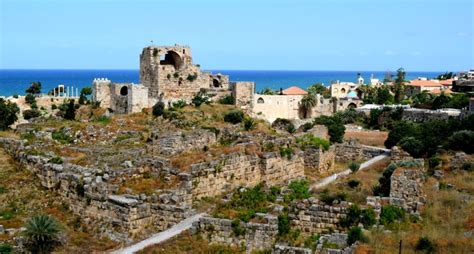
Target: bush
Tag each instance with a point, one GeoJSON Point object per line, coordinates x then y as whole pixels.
{"type": "Point", "coordinates": [425, 244]}
{"type": "Point", "coordinates": [5, 248]}
{"type": "Point", "coordinates": [354, 166]}
{"type": "Point", "coordinates": [42, 231]}
{"type": "Point", "coordinates": [368, 218]}
{"type": "Point", "coordinates": [288, 152]}
{"type": "Point", "coordinates": [178, 104]}
{"type": "Point", "coordinates": [383, 188]}
{"type": "Point", "coordinates": [434, 162]}
{"type": "Point", "coordinates": [61, 136]}
{"type": "Point", "coordinates": [35, 88]}
{"type": "Point", "coordinates": [8, 111]}
{"type": "Point", "coordinates": [391, 214]}
{"type": "Point", "coordinates": [15, 96]}
{"type": "Point", "coordinates": [56, 160]}
{"type": "Point", "coordinates": [67, 110]}
{"type": "Point", "coordinates": [307, 126]}
{"type": "Point", "coordinates": [227, 99]}
{"type": "Point", "coordinates": [355, 234]}
{"type": "Point", "coordinates": [158, 109]}
{"type": "Point", "coordinates": [30, 99]}
{"type": "Point", "coordinates": [249, 123]}
{"type": "Point", "coordinates": [200, 98]}
{"type": "Point", "coordinates": [291, 128]}
{"type": "Point", "coordinates": [299, 190]}
{"type": "Point", "coordinates": [283, 124]}
{"type": "Point", "coordinates": [329, 199]}
{"type": "Point", "coordinates": [192, 77]}
{"type": "Point", "coordinates": [237, 228]}
{"type": "Point", "coordinates": [234, 116]}
{"type": "Point", "coordinates": [104, 119]}
{"type": "Point", "coordinates": [309, 140]}
{"type": "Point", "coordinates": [462, 141]}
{"type": "Point", "coordinates": [30, 113]}
{"type": "Point", "coordinates": [335, 127]}
{"type": "Point", "coordinates": [353, 183]}
{"type": "Point", "coordinates": [283, 224]}
{"type": "Point", "coordinates": [54, 106]}
{"type": "Point", "coordinates": [413, 146]}
{"type": "Point", "coordinates": [352, 218]}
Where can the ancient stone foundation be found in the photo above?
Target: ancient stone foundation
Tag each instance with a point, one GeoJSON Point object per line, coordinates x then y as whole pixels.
{"type": "Point", "coordinates": [352, 151]}
{"type": "Point", "coordinates": [318, 159]}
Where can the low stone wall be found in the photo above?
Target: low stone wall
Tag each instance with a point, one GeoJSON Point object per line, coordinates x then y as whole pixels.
{"type": "Point", "coordinates": [240, 169]}
{"type": "Point", "coordinates": [254, 236]}
{"type": "Point", "coordinates": [423, 115]}
{"type": "Point", "coordinates": [318, 159]}
{"type": "Point", "coordinates": [182, 141]}
{"type": "Point", "coordinates": [407, 184]}
{"type": "Point", "coordinates": [282, 249]}
{"type": "Point", "coordinates": [352, 151]}
{"type": "Point", "coordinates": [311, 216]}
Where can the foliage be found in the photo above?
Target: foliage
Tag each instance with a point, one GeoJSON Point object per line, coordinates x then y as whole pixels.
{"type": "Point", "coordinates": [383, 188]}
{"type": "Point", "coordinates": [61, 136]}
{"type": "Point", "coordinates": [379, 95]}
{"type": "Point", "coordinates": [30, 99]}
{"type": "Point", "coordinates": [312, 241]}
{"type": "Point", "coordinates": [446, 75]}
{"type": "Point", "coordinates": [354, 166]}
{"type": "Point", "coordinates": [268, 91]}
{"type": "Point", "coordinates": [104, 119]}
{"type": "Point", "coordinates": [299, 190]}
{"type": "Point", "coordinates": [42, 231]}
{"type": "Point", "coordinates": [462, 141]}
{"type": "Point", "coordinates": [307, 126]}
{"type": "Point", "coordinates": [329, 199]}
{"type": "Point", "coordinates": [192, 77]}
{"type": "Point", "coordinates": [8, 111]}
{"type": "Point", "coordinates": [353, 183]}
{"type": "Point", "coordinates": [335, 127]}
{"type": "Point", "coordinates": [30, 113]}
{"type": "Point", "coordinates": [67, 110]}
{"type": "Point", "coordinates": [237, 228]}
{"type": "Point", "coordinates": [178, 104]}
{"type": "Point", "coordinates": [35, 88]}
{"type": "Point", "coordinates": [283, 224]}
{"type": "Point", "coordinates": [350, 115]}
{"type": "Point", "coordinates": [86, 91]}
{"type": "Point", "coordinates": [56, 160]}
{"type": "Point", "coordinates": [319, 88]}
{"type": "Point", "coordinates": [307, 103]}
{"type": "Point", "coordinates": [249, 123]}
{"type": "Point", "coordinates": [425, 244]}
{"type": "Point", "coordinates": [286, 151]}
{"type": "Point", "coordinates": [412, 145]}
{"type": "Point", "coordinates": [355, 234]}
{"type": "Point", "coordinates": [200, 98]}
{"type": "Point", "coordinates": [158, 109]}
{"type": "Point", "coordinates": [434, 162]}
{"type": "Point", "coordinates": [391, 214]}
{"type": "Point", "coordinates": [309, 140]}
{"type": "Point", "coordinates": [234, 116]}
{"type": "Point", "coordinates": [227, 99]}
{"type": "Point", "coordinates": [5, 248]}
{"type": "Point", "coordinates": [399, 85]}
{"type": "Point", "coordinates": [284, 124]}
{"type": "Point", "coordinates": [384, 118]}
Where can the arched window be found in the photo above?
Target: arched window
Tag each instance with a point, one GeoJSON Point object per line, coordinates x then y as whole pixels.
{"type": "Point", "coordinates": [123, 91]}
{"type": "Point", "coordinates": [260, 101]}
{"type": "Point", "coordinates": [343, 90]}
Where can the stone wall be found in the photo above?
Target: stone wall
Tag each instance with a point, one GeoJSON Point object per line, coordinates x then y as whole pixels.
{"type": "Point", "coordinates": [422, 115]}
{"type": "Point", "coordinates": [352, 151]}
{"type": "Point", "coordinates": [241, 169]}
{"type": "Point", "coordinates": [283, 249]}
{"type": "Point", "coordinates": [243, 93]}
{"type": "Point", "coordinates": [255, 236]}
{"type": "Point", "coordinates": [311, 216]}
{"type": "Point", "coordinates": [407, 184]}
{"type": "Point", "coordinates": [178, 142]}
{"type": "Point", "coordinates": [318, 159]}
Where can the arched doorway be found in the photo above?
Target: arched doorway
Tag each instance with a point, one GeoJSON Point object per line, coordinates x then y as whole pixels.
{"type": "Point", "coordinates": [172, 58]}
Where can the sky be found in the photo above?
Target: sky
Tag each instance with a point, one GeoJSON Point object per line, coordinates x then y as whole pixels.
{"type": "Point", "coordinates": [419, 35]}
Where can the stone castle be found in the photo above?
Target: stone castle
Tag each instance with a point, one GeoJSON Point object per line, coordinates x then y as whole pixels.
{"type": "Point", "coordinates": [168, 74]}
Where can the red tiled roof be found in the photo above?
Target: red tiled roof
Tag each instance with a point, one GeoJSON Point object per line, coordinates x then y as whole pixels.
{"type": "Point", "coordinates": [447, 82]}
{"type": "Point", "coordinates": [438, 91]}
{"type": "Point", "coordinates": [294, 90]}
{"type": "Point", "coordinates": [423, 83]}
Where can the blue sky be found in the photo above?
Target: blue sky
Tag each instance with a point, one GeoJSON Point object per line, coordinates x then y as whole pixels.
{"type": "Point", "coordinates": [420, 35]}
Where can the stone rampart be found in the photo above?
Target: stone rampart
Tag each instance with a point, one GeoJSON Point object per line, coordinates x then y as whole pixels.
{"type": "Point", "coordinates": [178, 142]}
{"type": "Point", "coordinates": [318, 159]}
{"type": "Point", "coordinates": [351, 151]}
{"type": "Point", "coordinates": [254, 236]}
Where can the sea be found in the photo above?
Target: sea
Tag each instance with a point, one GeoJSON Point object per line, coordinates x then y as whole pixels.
{"type": "Point", "coordinates": [15, 82]}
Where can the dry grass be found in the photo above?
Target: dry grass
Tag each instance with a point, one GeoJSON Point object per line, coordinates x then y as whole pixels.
{"type": "Point", "coordinates": [187, 243]}
{"type": "Point", "coordinates": [367, 179]}
{"type": "Point", "coordinates": [22, 197]}
{"type": "Point", "coordinates": [373, 138]}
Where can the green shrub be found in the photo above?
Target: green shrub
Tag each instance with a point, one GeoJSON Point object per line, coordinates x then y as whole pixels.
{"type": "Point", "coordinates": [368, 217]}
{"type": "Point", "coordinates": [462, 141]}
{"type": "Point", "coordinates": [237, 228]}
{"type": "Point", "coordinates": [299, 190]}
{"type": "Point", "coordinates": [178, 104]}
{"type": "Point", "coordinates": [336, 128]}
{"type": "Point", "coordinates": [104, 119]}
{"type": "Point", "coordinates": [30, 99]}
{"type": "Point", "coordinates": [434, 162]}
{"type": "Point", "coordinates": [354, 166]}
{"type": "Point", "coordinates": [8, 113]}
{"type": "Point", "coordinates": [309, 140]}
{"type": "Point", "coordinates": [234, 116]}
{"type": "Point", "coordinates": [355, 234]}
{"type": "Point", "coordinates": [291, 129]}
{"type": "Point", "coordinates": [61, 136]}
{"type": "Point", "coordinates": [383, 188]}
{"type": "Point", "coordinates": [42, 231]}
{"type": "Point", "coordinates": [54, 107]}
{"type": "Point", "coordinates": [425, 244]}
{"type": "Point", "coordinates": [352, 217]}
{"type": "Point", "coordinates": [284, 124]}
{"type": "Point", "coordinates": [192, 77]}
{"type": "Point", "coordinates": [311, 242]}
{"type": "Point", "coordinates": [30, 113]}
{"type": "Point", "coordinates": [329, 199]}
{"type": "Point", "coordinates": [56, 160]}
{"type": "Point", "coordinates": [391, 214]}
{"type": "Point", "coordinates": [2, 190]}
{"type": "Point", "coordinates": [15, 96]}
{"type": "Point", "coordinates": [283, 224]}
{"type": "Point", "coordinates": [468, 166]}
{"type": "Point", "coordinates": [200, 98]}
{"type": "Point", "coordinates": [249, 123]}
{"type": "Point", "coordinates": [227, 99]}
{"type": "Point", "coordinates": [307, 126]}
{"type": "Point", "coordinates": [286, 151]}
{"type": "Point", "coordinates": [158, 109]}
{"type": "Point", "coordinates": [5, 248]}
{"type": "Point", "coordinates": [67, 110]}
{"type": "Point", "coordinates": [353, 183]}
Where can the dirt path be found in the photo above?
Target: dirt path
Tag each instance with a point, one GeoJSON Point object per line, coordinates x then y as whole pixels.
{"type": "Point", "coordinates": [332, 178]}
{"type": "Point", "coordinates": [162, 236]}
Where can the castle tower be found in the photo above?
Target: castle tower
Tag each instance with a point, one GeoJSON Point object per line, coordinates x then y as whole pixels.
{"type": "Point", "coordinates": [101, 92]}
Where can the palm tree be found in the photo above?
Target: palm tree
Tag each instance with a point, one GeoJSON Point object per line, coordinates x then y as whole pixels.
{"type": "Point", "coordinates": [42, 231]}
{"type": "Point", "coordinates": [307, 103]}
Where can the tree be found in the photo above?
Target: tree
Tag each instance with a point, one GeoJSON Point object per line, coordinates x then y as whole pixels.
{"type": "Point", "coordinates": [67, 110]}
{"type": "Point", "coordinates": [158, 109]}
{"type": "Point", "coordinates": [8, 113]}
{"type": "Point", "coordinates": [34, 89]}
{"type": "Point", "coordinates": [268, 91]}
{"type": "Point", "coordinates": [319, 88]}
{"type": "Point", "coordinates": [234, 116]}
{"type": "Point", "coordinates": [42, 231]}
{"type": "Point", "coordinates": [441, 101]}
{"type": "Point", "coordinates": [399, 85]}
{"type": "Point", "coordinates": [30, 113]}
{"type": "Point", "coordinates": [336, 128]}
{"type": "Point", "coordinates": [30, 99]}
{"type": "Point", "coordinates": [462, 141]}
{"type": "Point", "coordinates": [413, 146]}
{"type": "Point", "coordinates": [307, 103]}
{"type": "Point", "coordinates": [86, 91]}
{"type": "Point", "coordinates": [383, 96]}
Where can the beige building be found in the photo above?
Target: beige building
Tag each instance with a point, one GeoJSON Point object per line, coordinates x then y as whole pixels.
{"type": "Point", "coordinates": [342, 89]}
